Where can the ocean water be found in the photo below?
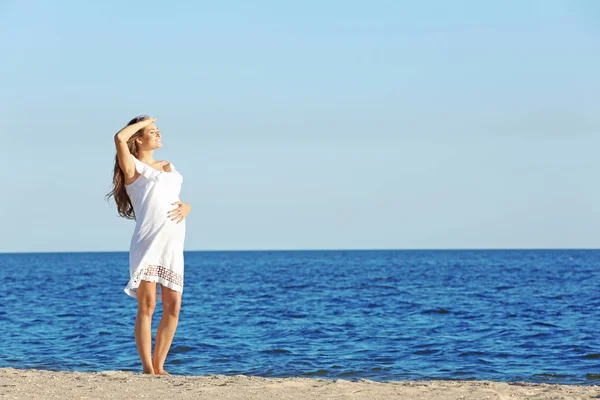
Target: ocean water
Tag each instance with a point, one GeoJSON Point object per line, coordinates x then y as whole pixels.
{"type": "Point", "coordinates": [507, 316]}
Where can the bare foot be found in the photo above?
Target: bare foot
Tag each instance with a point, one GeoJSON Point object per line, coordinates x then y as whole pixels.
{"type": "Point", "coordinates": [161, 372]}
{"type": "Point", "coordinates": [157, 370]}
{"type": "Point", "coordinates": [148, 371]}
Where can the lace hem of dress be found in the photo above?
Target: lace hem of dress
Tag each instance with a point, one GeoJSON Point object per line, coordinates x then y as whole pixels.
{"type": "Point", "coordinates": [163, 282]}
{"type": "Point", "coordinates": [164, 273]}
{"type": "Point", "coordinates": [155, 273]}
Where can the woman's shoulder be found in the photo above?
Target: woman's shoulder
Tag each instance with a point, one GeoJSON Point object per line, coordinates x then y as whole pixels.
{"type": "Point", "coordinates": [165, 165]}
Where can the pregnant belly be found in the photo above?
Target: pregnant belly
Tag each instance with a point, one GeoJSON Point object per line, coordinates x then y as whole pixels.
{"type": "Point", "coordinates": [176, 230]}
{"type": "Point", "coordinates": [157, 221]}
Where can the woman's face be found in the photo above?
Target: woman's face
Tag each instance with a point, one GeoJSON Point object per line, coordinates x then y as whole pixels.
{"type": "Point", "coordinates": [151, 139]}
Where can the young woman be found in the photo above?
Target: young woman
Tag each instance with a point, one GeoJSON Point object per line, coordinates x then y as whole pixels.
{"type": "Point", "coordinates": [148, 191]}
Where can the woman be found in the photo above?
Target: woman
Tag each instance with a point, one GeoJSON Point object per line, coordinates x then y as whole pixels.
{"type": "Point", "coordinates": [148, 191]}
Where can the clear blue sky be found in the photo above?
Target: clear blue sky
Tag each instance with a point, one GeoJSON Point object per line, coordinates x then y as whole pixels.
{"type": "Point", "coordinates": [308, 125]}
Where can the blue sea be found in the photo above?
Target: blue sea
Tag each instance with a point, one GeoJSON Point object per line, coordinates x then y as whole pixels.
{"type": "Point", "coordinates": [522, 315]}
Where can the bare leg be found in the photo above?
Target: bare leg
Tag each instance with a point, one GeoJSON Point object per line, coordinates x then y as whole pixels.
{"type": "Point", "coordinates": [171, 303]}
{"type": "Point", "coordinates": [146, 295]}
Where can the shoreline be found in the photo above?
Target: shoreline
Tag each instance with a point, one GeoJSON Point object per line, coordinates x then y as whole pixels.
{"type": "Point", "coordinates": [34, 383]}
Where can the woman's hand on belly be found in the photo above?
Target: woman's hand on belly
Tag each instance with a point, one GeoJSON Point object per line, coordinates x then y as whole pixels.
{"type": "Point", "coordinates": [179, 213]}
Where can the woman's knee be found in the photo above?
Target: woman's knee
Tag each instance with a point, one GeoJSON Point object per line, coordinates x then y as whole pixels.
{"type": "Point", "coordinates": [172, 308]}
{"type": "Point", "coordinates": [146, 306]}
{"type": "Point", "coordinates": [146, 295]}
{"type": "Point", "coordinates": [171, 300]}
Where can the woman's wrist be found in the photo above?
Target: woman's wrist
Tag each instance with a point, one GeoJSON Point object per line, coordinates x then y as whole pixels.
{"type": "Point", "coordinates": [127, 132]}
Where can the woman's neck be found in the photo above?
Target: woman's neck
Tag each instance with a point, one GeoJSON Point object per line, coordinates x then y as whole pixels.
{"type": "Point", "coordinates": [145, 156]}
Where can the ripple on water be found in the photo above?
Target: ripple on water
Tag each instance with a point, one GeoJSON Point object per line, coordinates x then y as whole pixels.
{"type": "Point", "coordinates": [546, 324]}
{"type": "Point", "coordinates": [319, 372]}
{"type": "Point", "coordinates": [592, 356]}
{"type": "Point", "coordinates": [437, 311]}
{"type": "Point", "coordinates": [471, 353]}
{"type": "Point", "coordinates": [180, 349]}
{"type": "Point", "coordinates": [277, 351]}
{"type": "Point", "coordinates": [426, 352]}
{"type": "Point", "coordinates": [549, 375]}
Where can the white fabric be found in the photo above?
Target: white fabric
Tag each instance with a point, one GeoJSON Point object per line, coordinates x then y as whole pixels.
{"type": "Point", "coordinates": [156, 249]}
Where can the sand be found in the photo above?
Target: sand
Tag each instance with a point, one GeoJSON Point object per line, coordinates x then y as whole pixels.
{"type": "Point", "coordinates": [41, 384]}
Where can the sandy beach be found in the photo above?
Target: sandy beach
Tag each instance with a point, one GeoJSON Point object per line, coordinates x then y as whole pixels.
{"type": "Point", "coordinates": [41, 384]}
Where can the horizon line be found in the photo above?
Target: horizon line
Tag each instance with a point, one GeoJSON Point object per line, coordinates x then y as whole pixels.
{"type": "Point", "coordinates": [307, 250]}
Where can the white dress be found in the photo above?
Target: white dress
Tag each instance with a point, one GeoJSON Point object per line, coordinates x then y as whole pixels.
{"type": "Point", "coordinates": [156, 249]}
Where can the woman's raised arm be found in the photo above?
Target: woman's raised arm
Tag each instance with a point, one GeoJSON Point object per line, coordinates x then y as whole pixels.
{"type": "Point", "coordinates": [123, 153]}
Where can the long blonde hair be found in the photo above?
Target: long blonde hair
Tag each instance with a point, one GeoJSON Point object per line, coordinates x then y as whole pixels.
{"type": "Point", "coordinates": [124, 205]}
